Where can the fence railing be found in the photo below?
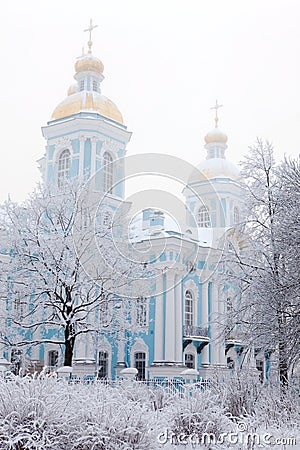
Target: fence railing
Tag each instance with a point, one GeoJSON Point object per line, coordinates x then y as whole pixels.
{"type": "Point", "coordinates": [170, 385]}
{"type": "Point", "coordinates": [194, 331]}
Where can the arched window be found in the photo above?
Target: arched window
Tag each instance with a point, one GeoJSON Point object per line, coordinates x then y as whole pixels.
{"type": "Point", "coordinates": [103, 365]}
{"type": "Point", "coordinates": [188, 308]}
{"type": "Point", "coordinates": [236, 215]}
{"type": "Point", "coordinates": [63, 170]}
{"type": "Point", "coordinates": [107, 172]}
{"type": "Point", "coordinates": [140, 365]}
{"type": "Point", "coordinates": [189, 360]}
{"type": "Point", "coordinates": [203, 219]}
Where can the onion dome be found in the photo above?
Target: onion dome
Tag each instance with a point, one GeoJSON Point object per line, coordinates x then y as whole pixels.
{"type": "Point", "coordinates": [216, 165]}
{"type": "Point", "coordinates": [88, 102]}
{"type": "Point", "coordinates": [88, 63]}
{"type": "Point", "coordinates": [216, 136]}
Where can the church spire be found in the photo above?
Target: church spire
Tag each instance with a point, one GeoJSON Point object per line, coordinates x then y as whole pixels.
{"type": "Point", "coordinates": [90, 29]}
{"type": "Point", "coordinates": [216, 107]}
{"type": "Point", "coordinates": [215, 139]}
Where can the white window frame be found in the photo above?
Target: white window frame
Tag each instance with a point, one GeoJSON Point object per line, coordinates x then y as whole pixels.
{"type": "Point", "coordinates": [81, 85]}
{"type": "Point", "coordinates": [189, 312]}
{"type": "Point", "coordinates": [191, 350]}
{"type": "Point", "coordinates": [203, 218]}
{"type": "Point", "coordinates": [50, 356]}
{"type": "Point", "coordinates": [108, 175]}
{"type": "Point", "coordinates": [63, 167]}
{"type": "Point", "coordinates": [105, 346]}
{"type": "Point", "coordinates": [144, 361]}
{"type": "Point", "coordinates": [107, 360]}
{"type": "Point", "coordinates": [95, 86]}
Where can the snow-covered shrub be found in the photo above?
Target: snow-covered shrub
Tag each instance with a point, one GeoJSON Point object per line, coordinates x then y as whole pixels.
{"type": "Point", "coordinates": [106, 419]}
{"type": "Point", "coordinates": [198, 411]}
{"type": "Point", "coordinates": [40, 413]}
{"type": "Point", "coordinates": [32, 413]}
{"type": "Point", "coordinates": [238, 393]}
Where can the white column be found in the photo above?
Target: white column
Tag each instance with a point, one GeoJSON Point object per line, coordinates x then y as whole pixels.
{"type": "Point", "coordinates": [205, 352]}
{"type": "Point", "coordinates": [170, 318]}
{"type": "Point", "coordinates": [222, 356]}
{"type": "Point", "coordinates": [81, 155]}
{"type": "Point", "coordinates": [214, 325]}
{"type": "Point", "coordinates": [159, 324]}
{"type": "Point", "coordinates": [93, 156]}
{"type": "Point", "coordinates": [178, 322]}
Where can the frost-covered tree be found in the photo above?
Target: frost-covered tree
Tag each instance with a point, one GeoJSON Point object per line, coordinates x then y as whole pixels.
{"type": "Point", "coordinates": [262, 259]}
{"type": "Point", "coordinates": [53, 287]}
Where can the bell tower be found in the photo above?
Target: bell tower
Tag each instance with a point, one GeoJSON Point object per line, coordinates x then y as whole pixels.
{"type": "Point", "coordinates": [215, 203]}
{"type": "Point", "coordinates": [86, 131]}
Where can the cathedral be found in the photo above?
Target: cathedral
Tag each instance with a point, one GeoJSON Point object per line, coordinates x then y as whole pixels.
{"type": "Point", "coordinates": [177, 328]}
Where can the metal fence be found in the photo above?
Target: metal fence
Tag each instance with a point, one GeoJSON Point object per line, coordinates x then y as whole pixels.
{"type": "Point", "coordinates": [169, 385]}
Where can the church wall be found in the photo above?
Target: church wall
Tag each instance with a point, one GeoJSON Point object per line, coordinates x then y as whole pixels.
{"type": "Point", "coordinates": [74, 170]}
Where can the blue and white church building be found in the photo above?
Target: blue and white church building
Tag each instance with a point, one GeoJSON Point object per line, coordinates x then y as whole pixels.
{"type": "Point", "coordinates": [177, 328]}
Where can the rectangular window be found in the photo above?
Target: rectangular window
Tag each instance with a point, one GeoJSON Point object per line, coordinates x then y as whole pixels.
{"type": "Point", "coordinates": [81, 85]}
{"type": "Point", "coordinates": [189, 360]}
{"type": "Point", "coordinates": [103, 365]}
{"type": "Point", "coordinates": [16, 360]}
{"type": "Point", "coordinates": [188, 309]}
{"type": "Point", "coordinates": [140, 365]}
{"type": "Point", "coordinates": [95, 86]}
{"type": "Point", "coordinates": [53, 358]}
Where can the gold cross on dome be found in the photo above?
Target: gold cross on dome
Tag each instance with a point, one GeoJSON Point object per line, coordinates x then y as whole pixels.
{"type": "Point", "coordinates": [216, 107]}
{"type": "Point", "coordinates": [90, 29]}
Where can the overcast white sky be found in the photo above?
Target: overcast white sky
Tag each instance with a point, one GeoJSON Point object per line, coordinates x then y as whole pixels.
{"type": "Point", "coordinates": [166, 61]}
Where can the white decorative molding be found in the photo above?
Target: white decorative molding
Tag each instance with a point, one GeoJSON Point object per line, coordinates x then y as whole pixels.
{"type": "Point", "coordinates": [191, 285]}
{"type": "Point", "coordinates": [61, 145]}
{"type": "Point", "coordinates": [104, 346]}
{"type": "Point", "coordinates": [111, 147]}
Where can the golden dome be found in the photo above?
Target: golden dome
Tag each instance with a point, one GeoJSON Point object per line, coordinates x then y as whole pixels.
{"type": "Point", "coordinates": [215, 135]}
{"type": "Point", "coordinates": [87, 101]}
{"type": "Point", "coordinates": [89, 62]}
